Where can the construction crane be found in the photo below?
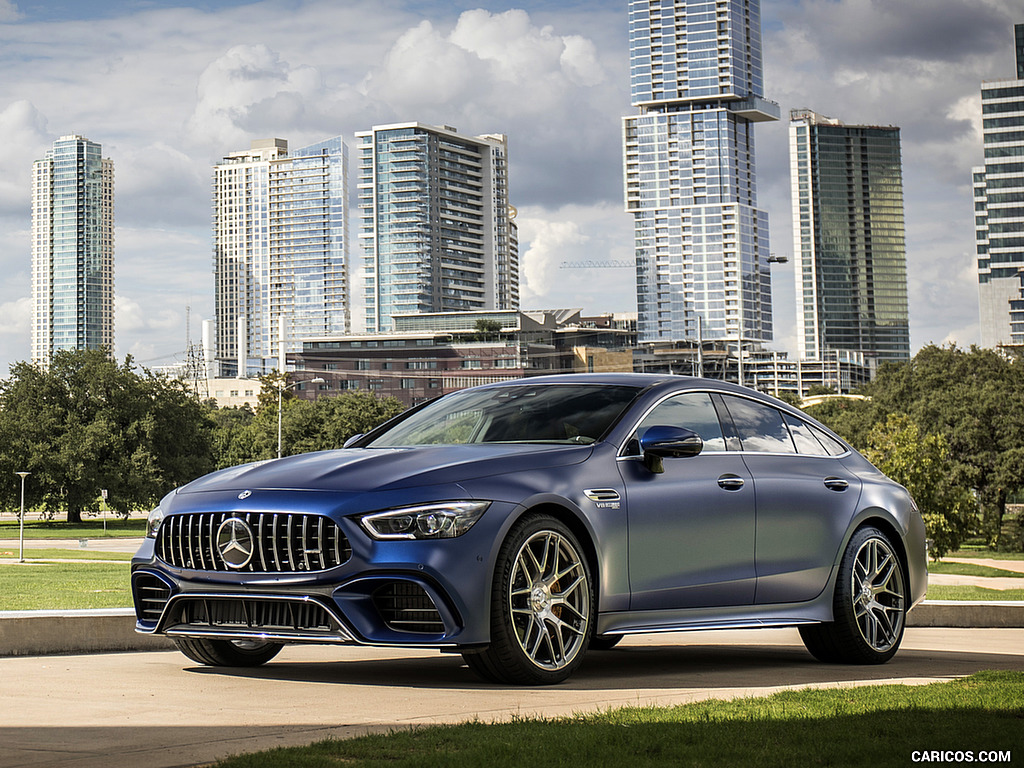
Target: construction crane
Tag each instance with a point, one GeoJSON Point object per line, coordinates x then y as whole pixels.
{"type": "Point", "coordinates": [590, 264]}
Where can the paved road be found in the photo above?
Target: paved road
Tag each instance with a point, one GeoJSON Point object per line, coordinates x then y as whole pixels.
{"type": "Point", "coordinates": [158, 710]}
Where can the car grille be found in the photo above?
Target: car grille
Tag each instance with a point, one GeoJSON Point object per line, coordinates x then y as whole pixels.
{"type": "Point", "coordinates": [151, 596]}
{"type": "Point", "coordinates": [406, 607]}
{"type": "Point", "coordinates": [281, 542]}
{"type": "Point", "coordinates": [250, 614]}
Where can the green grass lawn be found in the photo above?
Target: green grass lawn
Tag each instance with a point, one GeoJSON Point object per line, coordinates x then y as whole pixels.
{"type": "Point", "coordinates": [8, 551]}
{"type": "Point", "coordinates": [875, 726]}
{"type": "Point", "coordinates": [985, 554]}
{"type": "Point", "coordinates": [947, 592]}
{"type": "Point", "coordinates": [970, 569]}
{"type": "Point", "coordinates": [60, 586]}
{"type": "Point", "coordinates": [90, 528]}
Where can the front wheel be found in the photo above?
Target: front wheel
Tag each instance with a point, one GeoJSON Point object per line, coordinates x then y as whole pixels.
{"type": "Point", "coordinates": [869, 605]}
{"type": "Point", "coordinates": [227, 653]}
{"type": "Point", "coordinates": [542, 600]}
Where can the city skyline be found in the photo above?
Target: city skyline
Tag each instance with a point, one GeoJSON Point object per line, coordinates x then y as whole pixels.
{"type": "Point", "coordinates": [172, 89]}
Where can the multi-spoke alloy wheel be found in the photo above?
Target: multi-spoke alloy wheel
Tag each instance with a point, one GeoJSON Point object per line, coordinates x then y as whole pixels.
{"type": "Point", "coordinates": [541, 603]}
{"type": "Point", "coordinates": [878, 594]}
{"type": "Point", "coordinates": [869, 607]}
{"type": "Point", "coordinates": [549, 600]}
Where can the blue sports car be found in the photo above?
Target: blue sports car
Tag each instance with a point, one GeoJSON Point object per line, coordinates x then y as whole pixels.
{"type": "Point", "coordinates": [522, 523]}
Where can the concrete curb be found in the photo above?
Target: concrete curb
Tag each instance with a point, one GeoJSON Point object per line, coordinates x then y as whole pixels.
{"type": "Point", "coordinates": [43, 633]}
{"type": "Point", "coordinates": [980, 614]}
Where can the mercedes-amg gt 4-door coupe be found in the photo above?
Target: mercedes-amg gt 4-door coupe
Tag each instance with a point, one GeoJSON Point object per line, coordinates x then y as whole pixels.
{"type": "Point", "coordinates": [521, 523]}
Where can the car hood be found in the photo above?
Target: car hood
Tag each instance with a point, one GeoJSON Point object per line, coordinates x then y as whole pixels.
{"type": "Point", "coordinates": [366, 469]}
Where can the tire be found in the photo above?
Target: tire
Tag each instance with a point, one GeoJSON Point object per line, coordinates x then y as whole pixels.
{"type": "Point", "coordinates": [869, 607]}
{"type": "Point", "coordinates": [542, 599]}
{"type": "Point", "coordinates": [604, 642]}
{"type": "Point", "coordinates": [227, 653]}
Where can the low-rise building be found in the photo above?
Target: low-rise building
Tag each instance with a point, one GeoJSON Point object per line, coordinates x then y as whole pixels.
{"type": "Point", "coordinates": [431, 354]}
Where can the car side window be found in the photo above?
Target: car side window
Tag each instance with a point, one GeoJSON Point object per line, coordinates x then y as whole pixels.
{"type": "Point", "coordinates": [832, 446]}
{"type": "Point", "coordinates": [692, 410]}
{"type": "Point", "coordinates": [803, 436]}
{"type": "Point", "coordinates": [761, 428]}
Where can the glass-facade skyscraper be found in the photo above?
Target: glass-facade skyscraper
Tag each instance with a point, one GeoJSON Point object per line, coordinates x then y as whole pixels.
{"type": "Point", "coordinates": [72, 249]}
{"type": "Point", "coordinates": [999, 201]}
{"type": "Point", "coordinates": [437, 229]}
{"type": "Point", "coordinates": [701, 242]}
{"type": "Point", "coordinates": [280, 222]}
{"type": "Point", "coordinates": [848, 239]}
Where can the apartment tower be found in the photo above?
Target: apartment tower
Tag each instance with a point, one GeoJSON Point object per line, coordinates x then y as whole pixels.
{"type": "Point", "coordinates": [999, 202]}
{"type": "Point", "coordinates": [848, 239]}
{"type": "Point", "coordinates": [437, 230]}
{"type": "Point", "coordinates": [702, 256]}
{"type": "Point", "coordinates": [72, 249]}
{"type": "Point", "coordinates": [280, 235]}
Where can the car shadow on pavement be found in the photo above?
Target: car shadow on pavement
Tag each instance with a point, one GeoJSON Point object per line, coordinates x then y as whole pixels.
{"type": "Point", "coordinates": [629, 668]}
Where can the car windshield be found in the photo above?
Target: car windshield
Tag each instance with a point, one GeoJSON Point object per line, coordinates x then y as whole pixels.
{"type": "Point", "coordinates": [548, 413]}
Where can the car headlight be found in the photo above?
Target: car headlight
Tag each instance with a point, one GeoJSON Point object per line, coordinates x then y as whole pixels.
{"type": "Point", "coordinates": [441, 520]}
{"type": "Point", "coordinates": [153, 523]}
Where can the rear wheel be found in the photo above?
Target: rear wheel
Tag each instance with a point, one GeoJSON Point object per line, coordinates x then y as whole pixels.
{"type": "Point", "coordinates": [227, 653]}
{"type": "Point", "coordinates": [541, 603]}
{"type": "Point", "coordinates": [869, 605]}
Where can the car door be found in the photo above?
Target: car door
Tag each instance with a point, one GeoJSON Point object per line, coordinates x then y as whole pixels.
{"type": "Point", "coordinates": [805, 499]}
{"type": "Point", "coordinates": [691, 527]}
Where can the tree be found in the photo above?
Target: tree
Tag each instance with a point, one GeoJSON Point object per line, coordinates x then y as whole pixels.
{"type": "Point", "coordinates": [306, 425]}
{"type": "Point", "coordinates": [486, 330]}
{"type": "Point", "coordinates": [975, 400]}
{"type": "Point", "coordinates": [921, 463]}
{"type": "Point", "coordinates": [86, 424]}
{"type": "Point", "coordinates": [850, 418]}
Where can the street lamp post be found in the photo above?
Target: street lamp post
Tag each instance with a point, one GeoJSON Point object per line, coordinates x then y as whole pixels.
{"type": "Point", "coordinates": [280, 391]}
{"type": "Point", "coordinates": [21, 518]}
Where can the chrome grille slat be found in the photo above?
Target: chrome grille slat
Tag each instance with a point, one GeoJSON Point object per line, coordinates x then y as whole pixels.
{"type": "Point", "coordinates": [305, 542]}
{"type": "Point", "coordinates": [273, 538]}
{"type": "Point", "coordinates": [284, 542]}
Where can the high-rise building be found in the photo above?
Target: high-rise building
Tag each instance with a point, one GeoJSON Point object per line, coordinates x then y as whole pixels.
{"type": "Point", "coordinates": [72, 249]}
{"type": "Point", "coordinates": [999, 201]}
{"type": "Point", "coordinates": [702, 255]}
{"type": "Point", "coordinates": [438, 232]}
{"type": "Point", "coordinates": [849, 241]}
{"type": "Point", "coordinates": [280, 231]}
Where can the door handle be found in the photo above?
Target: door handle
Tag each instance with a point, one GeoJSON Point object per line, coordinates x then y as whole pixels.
{"type": "Point", "coordinates": [836, 484]}
{"type": "Point", "coordinates": [731, 482]}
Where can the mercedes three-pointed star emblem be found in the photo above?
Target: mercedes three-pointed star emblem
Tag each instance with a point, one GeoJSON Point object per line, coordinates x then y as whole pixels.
{"type": "Point", "coordinates": [235, 542]}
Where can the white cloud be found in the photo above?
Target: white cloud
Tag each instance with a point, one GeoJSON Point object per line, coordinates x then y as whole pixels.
{"type": "Point", "coordinates": [249, 80]}
{"type": "Point", "coordinates": [23, 129]}
{"type": "Point", "coordinates": [16, 316]}
{"type": "Point", "coordinates": [573, 233]}
{"type": "Point", "coordinates": [9, 11]}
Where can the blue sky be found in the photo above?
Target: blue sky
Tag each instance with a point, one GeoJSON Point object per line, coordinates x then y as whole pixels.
{"type": "Point", "coordinates": [168, 88]}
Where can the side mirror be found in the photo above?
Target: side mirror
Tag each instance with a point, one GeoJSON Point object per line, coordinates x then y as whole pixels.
{"type": "Point", "coordinates": [660, 442]}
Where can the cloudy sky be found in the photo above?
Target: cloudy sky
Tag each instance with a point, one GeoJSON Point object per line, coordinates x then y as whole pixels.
{"type": "Point", "coordinates": [168, 87]}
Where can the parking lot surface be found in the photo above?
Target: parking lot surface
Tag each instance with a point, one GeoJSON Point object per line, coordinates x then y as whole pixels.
{"type": "Point", "coordinates": [159, 710]}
